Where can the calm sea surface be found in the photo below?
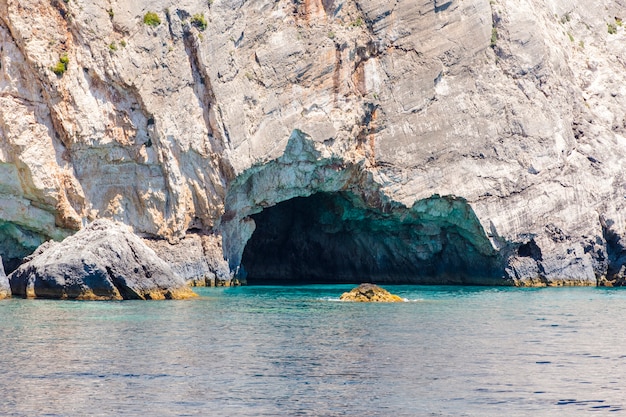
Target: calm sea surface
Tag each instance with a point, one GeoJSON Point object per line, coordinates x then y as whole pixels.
{"type": "Point", "coordinates": [269, 351]}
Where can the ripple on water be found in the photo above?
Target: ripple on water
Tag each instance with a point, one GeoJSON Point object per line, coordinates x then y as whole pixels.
{"type": "Point", "coordinates": [264, 351]}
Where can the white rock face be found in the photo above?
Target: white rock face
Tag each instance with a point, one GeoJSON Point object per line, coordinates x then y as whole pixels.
{"type": "Point", "coordinates": [515, 106]}
{"type": "Point", "coordinates": [5, 287]}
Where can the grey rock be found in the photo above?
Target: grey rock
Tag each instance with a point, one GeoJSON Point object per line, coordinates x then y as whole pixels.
{"type": "Point", "coordinates": [197, 258]}
{"type": "Point", "coordinates": [103, 261]}
{"type": "Point", "coordinates": [615, 254]}
{"type": "Point", "coordinates": [553, 262]}
{"type": "Point", "coordinates": [5, 288]}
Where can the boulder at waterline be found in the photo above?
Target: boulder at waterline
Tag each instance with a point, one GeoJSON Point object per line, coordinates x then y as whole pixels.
{"type": "Point", "coordinates": [5, 289]}
{"type": "Point", "coordinates": [370, 293]}
{"type": "Point", "coordinates": [104, 261]}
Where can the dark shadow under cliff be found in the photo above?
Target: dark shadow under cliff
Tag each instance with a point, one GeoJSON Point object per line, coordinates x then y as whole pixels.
{"type": "Point", "coordinates": [336, 238]}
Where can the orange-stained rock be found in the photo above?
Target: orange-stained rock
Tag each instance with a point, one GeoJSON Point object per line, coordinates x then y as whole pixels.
{"type": "Point", "coordinates": [368, 293]}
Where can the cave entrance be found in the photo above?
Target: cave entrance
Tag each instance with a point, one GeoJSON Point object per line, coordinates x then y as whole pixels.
{"type": "Point", "coordinates": [334, 237]}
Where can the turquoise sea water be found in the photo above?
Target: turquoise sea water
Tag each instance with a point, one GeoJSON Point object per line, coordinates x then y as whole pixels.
{"type": "Point", "coordinates": [269, 351]}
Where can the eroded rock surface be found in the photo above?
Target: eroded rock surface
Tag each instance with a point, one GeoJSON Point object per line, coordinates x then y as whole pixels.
{"type": "Point", "coordinates": [370, 293]}
{"type": "Point", "coordinates": [197, 258]}
{"type": "Point", "coordinates": [5, 288]}
{"type": "Point", "coordinates": [515, 107]}
{"type": "Point", "coordinates": [104, 261]}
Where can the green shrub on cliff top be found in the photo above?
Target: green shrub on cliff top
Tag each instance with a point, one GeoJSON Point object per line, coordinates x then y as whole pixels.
{"type": "Point", "coordinates": [151, 19]}
{"type": "Point", "coordinates": [199, 21]}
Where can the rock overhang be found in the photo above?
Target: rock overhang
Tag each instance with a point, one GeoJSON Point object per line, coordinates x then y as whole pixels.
{"type": "Point", "coordinates": [311, 195]}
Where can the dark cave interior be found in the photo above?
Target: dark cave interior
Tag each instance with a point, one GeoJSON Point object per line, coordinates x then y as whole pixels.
{"type": "Point", "coordinates": [333, 238]}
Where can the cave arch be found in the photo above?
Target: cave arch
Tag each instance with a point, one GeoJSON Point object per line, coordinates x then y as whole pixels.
{"type": "Point", "coordinates": [313, 215]}
{"type": "Point", "coordinates": [335, 237]}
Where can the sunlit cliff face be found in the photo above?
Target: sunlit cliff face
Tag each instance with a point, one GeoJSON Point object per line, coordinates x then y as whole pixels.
{"type": "Point", "coordinates": [516, 106]}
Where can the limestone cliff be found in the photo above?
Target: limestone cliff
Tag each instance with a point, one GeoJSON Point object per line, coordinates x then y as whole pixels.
{"type": "Point", "coordinates": [490, 131]}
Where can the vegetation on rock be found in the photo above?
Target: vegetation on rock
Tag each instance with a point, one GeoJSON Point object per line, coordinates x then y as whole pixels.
{"type": "Point", "coordinates": [199, 21]}
{"type": "Point", "coordinates": [151, 19]}
{"type": "Point", "coordinates": [494, 37]}
{"type": "Point", "coordinates": [61, 66]}
{"type": "Point", "coordinates": [357, 23]}
{"type": "Point", "coordinates": [612, 29]}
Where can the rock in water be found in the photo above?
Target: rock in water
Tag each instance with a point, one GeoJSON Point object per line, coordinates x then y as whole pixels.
{"type": "Point", "coordinates": [104, 261]}
{"type": "Point", "coordinates": [5, 289]}
{"type": "Point", "coordinates": [370, 293]}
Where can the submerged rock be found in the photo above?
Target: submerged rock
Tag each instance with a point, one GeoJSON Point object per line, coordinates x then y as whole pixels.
{"type": "Point", "coordinates": [104, 261]}
{"type": "Point", "coordinates": [5, 289]}
{"type": "Point", "coordinates": [370, 293]}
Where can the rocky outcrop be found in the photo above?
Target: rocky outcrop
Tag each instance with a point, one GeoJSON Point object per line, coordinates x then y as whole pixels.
{"type": "Point", "coordinates": [5, 288]}
{"type": "Point", "coordinates": [104, 261]}
{"type": "Point", "coordinates": [196, 258]}
{"type": "Point", "coordinates": [370, 293]}
{"type": "Point", "coordinates": [509, 111]}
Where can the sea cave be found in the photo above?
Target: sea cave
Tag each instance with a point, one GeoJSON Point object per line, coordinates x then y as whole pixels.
{"type": "Point", "coordinates": [335, 237]}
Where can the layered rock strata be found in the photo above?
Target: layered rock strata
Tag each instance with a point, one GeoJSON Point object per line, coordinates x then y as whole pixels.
{"type": "Point", "coordinates": [189, 126]}
{"type": "Point", "coordinates": [103, 261]}
{"type": "Point", "coordinates": [197, 258]}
